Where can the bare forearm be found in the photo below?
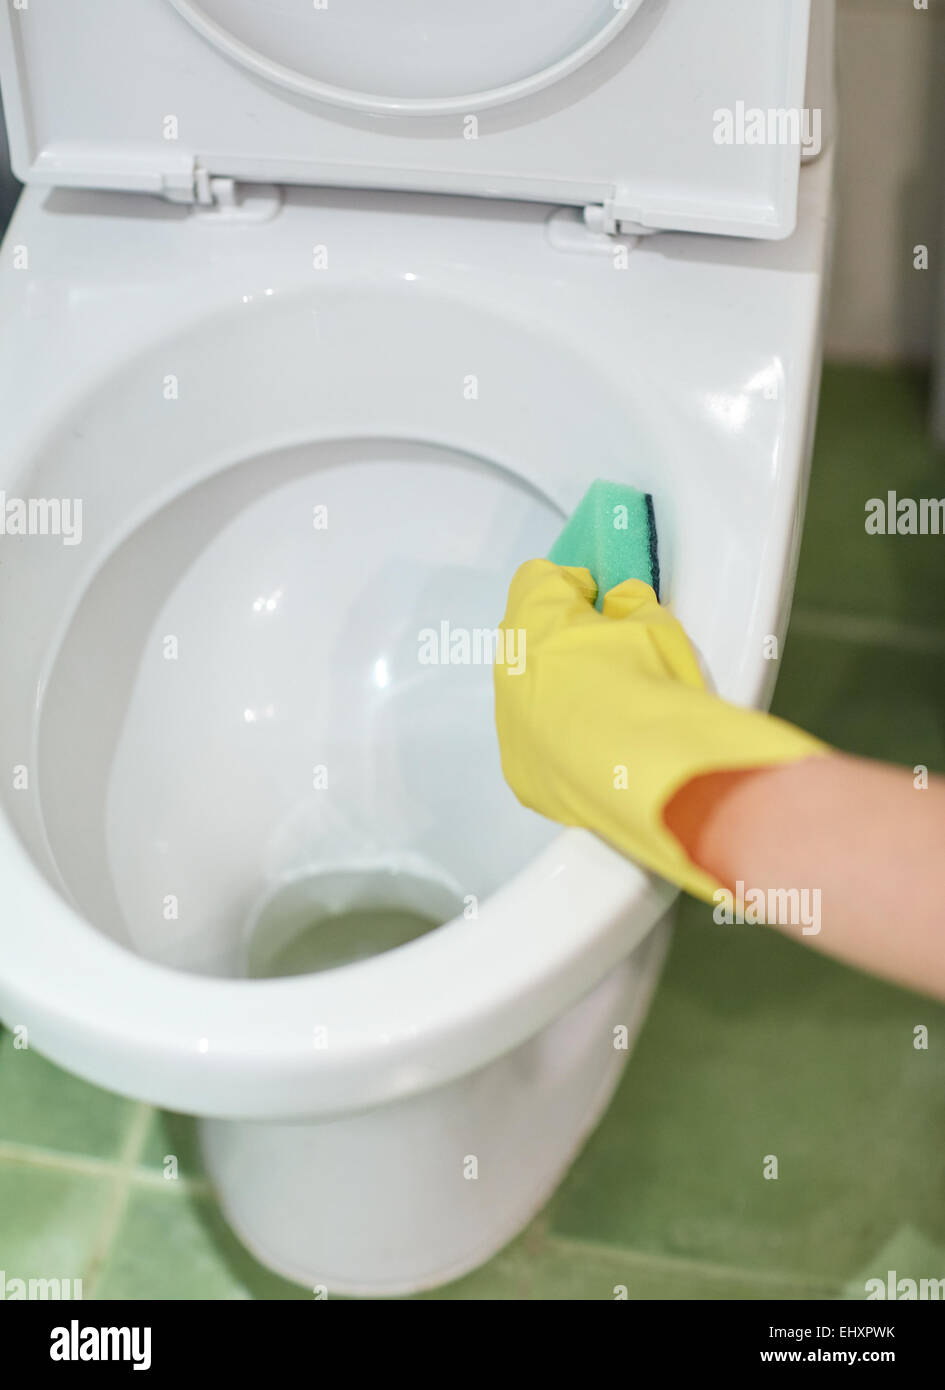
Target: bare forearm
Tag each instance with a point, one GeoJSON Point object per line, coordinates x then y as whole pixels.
{"type": "Point", "coordinates": [859, 832]}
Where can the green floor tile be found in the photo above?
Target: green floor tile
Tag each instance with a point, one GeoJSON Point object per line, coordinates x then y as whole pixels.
{"type": "Point", "coordinates": [48, 1221]}
{"type": "Point", "coordinates": [577, 1273]}
{"type": "Point", "coordinates": [872, 438]}
{"type": "Point", "coordinates": [756, 1046]}
{"type": "Point", "coordinates": [867, 700]}
{"type": "Point", "coordinates": [908, 1256]}
{"type": "Point", "coordinates": [170, 1137]}
{"type": "Point", "coordinates": [45, 1107]}
{"type": "Point", "coordinates": [171, 1245]}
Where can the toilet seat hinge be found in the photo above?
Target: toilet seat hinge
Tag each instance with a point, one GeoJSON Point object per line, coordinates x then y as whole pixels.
{"type": "Point", "coordinates": [221, 198]}
{"type": "Point", "coordinates": [616, 216]}
{"type": "Point", "coordinates": [225, 200]}
{"type": "Point", "coordinates": [584, 231]}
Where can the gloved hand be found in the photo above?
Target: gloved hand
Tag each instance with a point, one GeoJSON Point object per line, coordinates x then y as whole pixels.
{"type": "Point", "coordinates": [610, 716]}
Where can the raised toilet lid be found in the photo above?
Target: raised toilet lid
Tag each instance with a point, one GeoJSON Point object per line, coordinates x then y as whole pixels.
{"type": "Point", "coordinates": [416, 55]}
{"type": "Point", "coordinates": [646, 109]}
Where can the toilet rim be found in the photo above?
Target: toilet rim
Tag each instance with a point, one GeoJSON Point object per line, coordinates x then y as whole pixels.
{"type": "Point", "coordinates": [375, 1030]}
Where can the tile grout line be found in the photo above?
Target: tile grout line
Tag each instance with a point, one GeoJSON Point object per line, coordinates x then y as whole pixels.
{"type": "Point", "coordinates": [131, 1150]}
{"type": "Point", "coordinates": [859, 630]}
{"type": "Point", "coordinates": [62, 1162]}
{"type": "Point", "coordinates": [573, 1245]}
{"type": "Point", "coordinates": [83, 1166]}
{"type": "Point", "coordinates": [182, 1187]}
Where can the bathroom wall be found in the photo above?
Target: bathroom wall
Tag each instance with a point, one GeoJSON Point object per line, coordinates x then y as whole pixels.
{"type": "Point", "coordinates": [892, 142]}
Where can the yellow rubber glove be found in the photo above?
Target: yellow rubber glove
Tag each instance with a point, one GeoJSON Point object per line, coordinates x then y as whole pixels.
{"type": "Point", "coordinates": [610, 716]}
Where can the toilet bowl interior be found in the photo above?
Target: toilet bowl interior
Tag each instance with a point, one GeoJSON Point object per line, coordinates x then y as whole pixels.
{"type": "Point", "coordinates": [266, 671]}
{"type": "Point", "coordinates": [298, 692]}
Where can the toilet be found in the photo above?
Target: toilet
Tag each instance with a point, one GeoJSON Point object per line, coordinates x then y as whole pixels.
{"type": "Point", "coordinates": [318, 319]}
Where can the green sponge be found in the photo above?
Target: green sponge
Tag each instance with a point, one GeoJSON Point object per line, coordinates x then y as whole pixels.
{"type": "Point", "coordinates": [612, 533]}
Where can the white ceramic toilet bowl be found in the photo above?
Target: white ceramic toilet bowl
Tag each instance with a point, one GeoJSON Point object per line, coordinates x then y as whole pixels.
{"type": "Point", "coordinates": [310, 454]}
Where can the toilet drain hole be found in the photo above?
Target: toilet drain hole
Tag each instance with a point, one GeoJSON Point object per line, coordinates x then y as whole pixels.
{"type": "Point", "coordinates": [335, 917]}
